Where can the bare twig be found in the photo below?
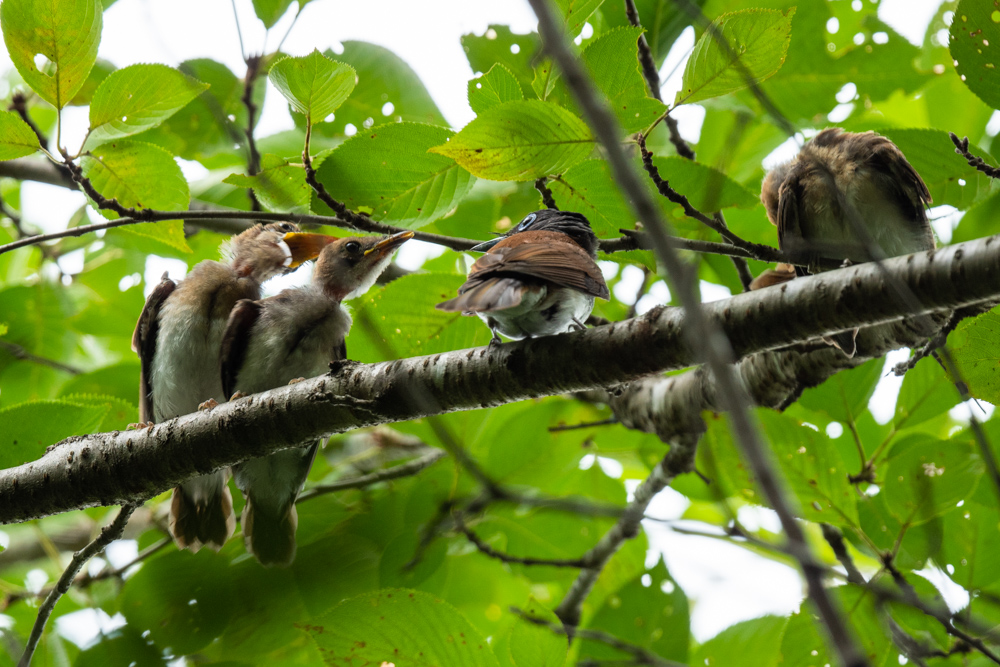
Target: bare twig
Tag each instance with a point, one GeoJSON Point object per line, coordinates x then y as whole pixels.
{"type": "Point", "coordinates": [253, 63]}
{"type": "Point", "coordinates": [707, 340]}
{"type": "Point", "coordinates": [80, 558]}
{"type": "Point", "coordinates": [962, 148]}
{"type": "Point", "coordinates": [939, 338]}
{"type": "Point", "coordinates": [835, 539]}
{"type": "Point", "coordinates": [507, 558]}
{"type": "Point", "coordinates": [20, 353]}
{"type": "Point", "coordinates": [641, 655]}
{"type": "Point", "coordinates": [19, 105]}
{"type": "Point", "coordinates": [573, 427]}
{"type": "Point", "coordinates": [546, 193]}
{"type": "Point", "coordinates": [396, 472]}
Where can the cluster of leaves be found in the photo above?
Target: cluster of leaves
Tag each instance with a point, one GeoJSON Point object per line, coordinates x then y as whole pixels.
{"type": "Point", "coordinates": [911, 487]}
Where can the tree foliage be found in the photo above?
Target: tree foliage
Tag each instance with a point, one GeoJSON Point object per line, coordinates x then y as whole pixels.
{"type": "Point", "coordinates": [462, 562]}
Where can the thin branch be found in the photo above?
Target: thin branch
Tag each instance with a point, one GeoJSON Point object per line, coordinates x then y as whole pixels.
{"type": "Point", "coordinates": [108, 534]}
{"type": "Point", "coordinates": [20, 353]}
{"type": "Point", "coordinates": [507, 558]}
{"type": "Point", "coordinates": [239, 33]}
{"type": "Point", "coordinates": [19, 105]}
{"type": "Point", "coordinates": [647, 277]}
{"type": "Point", "coordinates": [976, 162]}
{"type": "Point", "coordinates": [936, 341]}
{"type": "Point", "coordinates": [641, 655]}
{"type": "Point", "coordinates": [707, 340]}
{"type": "Point", "coordinates": [253, 64]}
{"type": "Point", "coordinates": [546, 193]}
{"type": "Point", "coordinates": [407, 469]}
{"type": "Point", "coordinates": [835, 539]}
{"type": "Point", "coordinates": [573, 427]}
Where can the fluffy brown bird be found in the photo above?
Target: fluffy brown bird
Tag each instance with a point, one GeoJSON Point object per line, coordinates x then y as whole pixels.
{"type": "Point", "coordinates": [281, 339]}
{"type": "Point", "coordinates": [538, 279]}
{"type": "Point", "coordinates": [177, 339]}
{"type": "Point", "coordinates": [845, 196]}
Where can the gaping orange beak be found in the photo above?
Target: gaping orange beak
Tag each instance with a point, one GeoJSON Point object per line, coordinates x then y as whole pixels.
{"type": "Point", "coordinates": [389, 243]}
{"type": "Point", "coordinates": [304, 247]}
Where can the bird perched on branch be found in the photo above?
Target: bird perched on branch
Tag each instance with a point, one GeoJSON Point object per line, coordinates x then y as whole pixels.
{"type": "Point", "coordinates": [282, 339]}
{"type": "Point", "coordinates": [538, 279]}
{"type": "Point", "coordinates": [845, 196]}
{"type": "Point", "coordinates": [177, 339]}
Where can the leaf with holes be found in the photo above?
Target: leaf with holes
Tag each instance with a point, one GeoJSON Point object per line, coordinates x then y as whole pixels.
{"type": "Point", "coordinates": [975, 48]}
{"type": "Point", "coordinates": [141, 175]}
{"type": "Point", "coordinates": [17, 139]}
{"type": "Point", "coordinates": [495, 87]}
{"type": "Point", "coordinates": [738, 50]}
{"type": "Point", "coordinates": [137, 98]}
{"type": "Point", "coordinates": [314, 85]}
{"type": "Point", "coordinates": [613, 62]}
{"type": "Point", "coordinates": [390, 171]}
{"type": "Point", "coordinates": [404, 626]}
{"type": "Point", "coordinates": [52, 43]}
{"type": "Point", "coordinates": [925, 477]}
{"type": "Point", "coordinates": [280, 186]}
{"type": "Point", "coordinates": [520, 141]}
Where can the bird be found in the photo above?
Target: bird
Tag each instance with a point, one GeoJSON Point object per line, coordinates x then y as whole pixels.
{"type": "Point", "coordinates": [177, 338]}
{"type": "Point", "coordinates": [538, 279]}
{"type": "Point", "coordinates": [847, 196]}
{"type": "Point", "coordinates": [279, 340]}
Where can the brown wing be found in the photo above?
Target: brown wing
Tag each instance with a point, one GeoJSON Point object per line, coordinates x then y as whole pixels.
{"type": "Point", "coordinates": [484, 296]}
{"type": "Point", "coordinates": [909, 189]}
{"type": "Point", "coordinates": [565, 264]}
{"type": "Point", "coordinates": [235, 341]}
{"type": "Point", "coordinates": [144, 343]}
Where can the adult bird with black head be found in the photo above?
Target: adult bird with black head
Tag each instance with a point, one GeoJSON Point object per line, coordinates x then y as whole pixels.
{"type": "Point", "coordinates": [538, 279]}
{"type": "Point", "coordinates": [177, 339]}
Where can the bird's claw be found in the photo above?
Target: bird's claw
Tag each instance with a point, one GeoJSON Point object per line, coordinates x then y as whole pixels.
{"type": "Point", "coordinates": [495, 341]}
{"type": "Point", "coordinates": [581, 325]}
{"type": "Point", "coordinates": [296, 380]}
{"type": "Point", "coordinates": [137, 426]}
{"type": "Point", "coordinates": [209, 404]}
{"type": "Point", "coordinates": [237, 395]}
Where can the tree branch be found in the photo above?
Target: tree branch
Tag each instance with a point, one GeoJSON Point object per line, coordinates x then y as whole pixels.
{"type": "Point", "coordinates": [19, 352]}
{"type": "Point", "coordinates": [108, 535]}
{"type": "Point", "coordinates": [121, 467]}
{"type": "Point", "coordinates": [396, 472]}
{"type": "Point", "coordinates": [976, 162]}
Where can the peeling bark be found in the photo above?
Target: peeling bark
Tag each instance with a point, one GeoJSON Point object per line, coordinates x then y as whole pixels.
{"type": "Point", "coordinates": [123, 467]}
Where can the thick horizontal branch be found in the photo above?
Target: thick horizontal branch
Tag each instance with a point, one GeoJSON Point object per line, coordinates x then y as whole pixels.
{"type": "Point", "coordinates": [122, 467]}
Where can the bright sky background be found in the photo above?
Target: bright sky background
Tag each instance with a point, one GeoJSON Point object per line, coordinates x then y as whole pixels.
{"type": "Point", "coordinates": [726, 583]}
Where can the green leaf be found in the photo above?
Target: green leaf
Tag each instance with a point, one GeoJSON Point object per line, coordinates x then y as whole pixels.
{"type": "Point", "coordinates": [708, 189]}
{"type": "Point", "coordinates": [280, 186]}
{"type": "Point", "coordinates": [926, 393]}
{"type": "Point", "coordinates": [534, 645]}
{"type": "Point", "coordinates": [576, 12]}
{"type": "Point", "coordinates": [844, 396]}
{"type": "Point", "coordinates": [390, 171]}
{"type": "Point", "coordinates": [53, 44]}
{"type": "Point", "coordinates": [141, 175]}
{"type": "Point", "coordinates": [520, 141]}
{"type": "Point", "coordinates": [590, 189]}
{"type": "Point", "coordinates": [28, 428]}
{"type": "Point", "coordinates": [118, 413]}
{"type": "Point", "coordinates": [973, 345]}
{"type": "Point", "coordinates": [98, 73]}
{"type": "Point", "coordinates": [137, 98]}
{"type": "Point", "coordinates": [314, 85]}
{"type": "Point", "coordinates": [408, 627]}
{"type": "Point", "coordinates": [651, 615]}
{"type": "Point", "coordinates": [119, 380]}
{"type": "Point", "coordinates": [813, 468]}
{"type": "Point", "coordinates": [663, 21]}
{"type": "Point", "coordinates": [756, 41]}
{"type": "Point", "coordinates": [17, 139]}
{"type": "Point", "coordinates": [403, 316]}
{"type": "Point", "coordinates": [493, 88]}
{"type": "Point", "coordinates": [974, 40]}
{"type": "Point", "coordinates": [613, 61]}
{"type": "Point", "coordinates": [388, 90]}
{"type": "Point", "coordinates": [971, 542]}
{"type": "Point", "coordinates": [499, 45]}
{"type": "Point", "coordinates": [926, 477]}
{"type": "Point", "coordinates": [753, 643]}
{"type": "Point", "coordinates": [270, 11]}
{"type": "Point", "coordinates": [181, 599]}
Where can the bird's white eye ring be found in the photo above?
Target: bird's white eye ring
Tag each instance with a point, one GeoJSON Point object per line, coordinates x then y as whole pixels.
{"type": "Point", "coordinates": [528, 220]}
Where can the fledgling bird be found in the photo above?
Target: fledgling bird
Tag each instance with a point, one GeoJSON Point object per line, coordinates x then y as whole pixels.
{"type": "Point", "coordinates": [848, 196]}
{"type": "Point", "coordinates": [538, 279]}
{"type": "Point", "coordinates": [282, 339]}
{"type": "Point", "coordinates": [177, 339]}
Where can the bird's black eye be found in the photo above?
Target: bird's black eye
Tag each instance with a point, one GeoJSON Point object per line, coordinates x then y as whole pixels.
{"type": "Point", "coordinates": [286, 227]}
{"type": "Point", "coordinates": [353, 247]}
{"type": "Point", "coordinates": [527, 222]}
